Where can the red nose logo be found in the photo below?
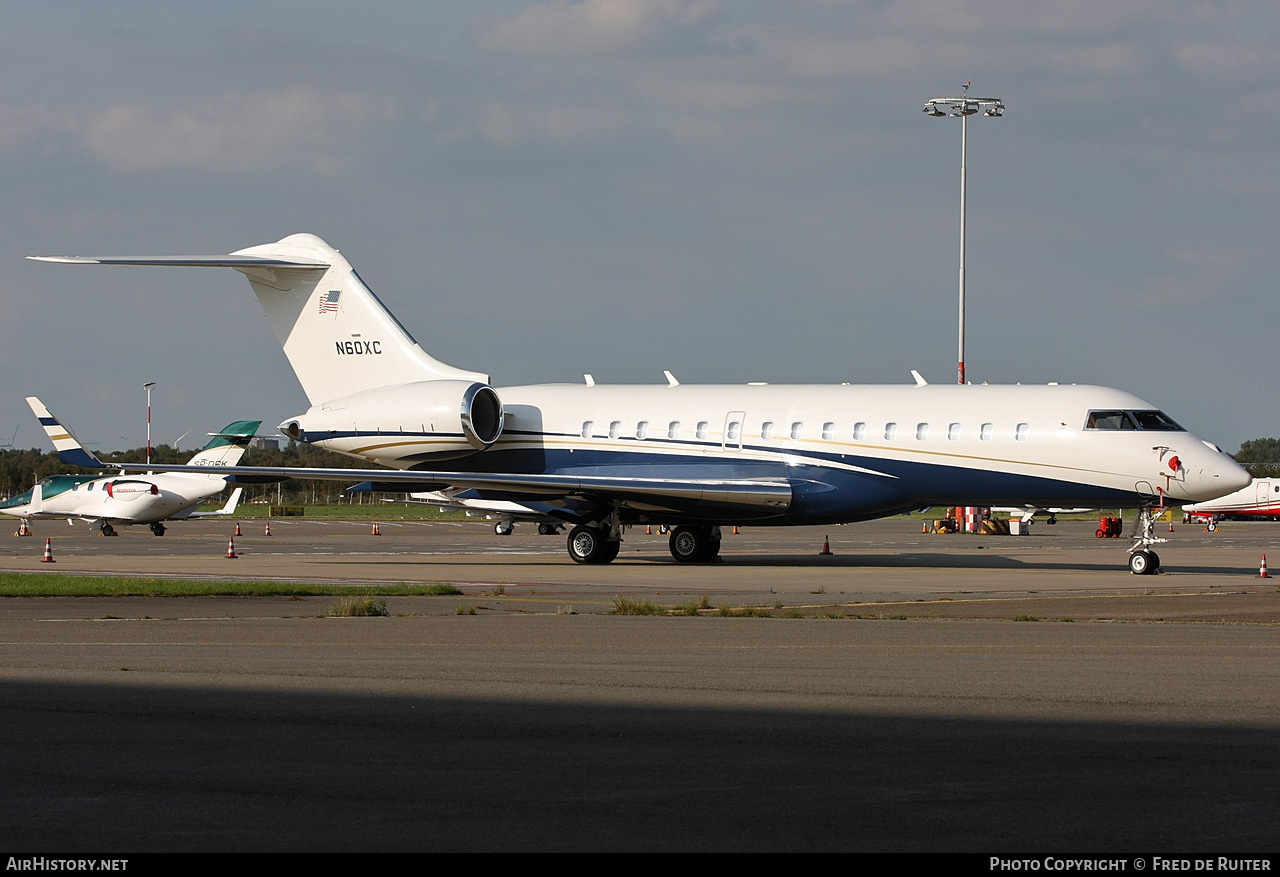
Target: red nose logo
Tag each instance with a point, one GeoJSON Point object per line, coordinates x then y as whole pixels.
{"type": "Point", "coordinates": [1174, 464]}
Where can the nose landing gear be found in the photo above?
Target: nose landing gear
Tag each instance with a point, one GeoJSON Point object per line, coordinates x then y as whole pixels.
{"type": "Point", "coordinates": [1142, 560]}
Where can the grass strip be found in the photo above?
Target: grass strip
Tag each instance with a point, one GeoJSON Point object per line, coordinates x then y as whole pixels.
{"type": "Point", "coordinates": [60, 585]}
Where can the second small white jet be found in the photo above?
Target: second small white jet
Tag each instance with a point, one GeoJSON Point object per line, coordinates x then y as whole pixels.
{"type": "Point", "coordinates": [106, 501]}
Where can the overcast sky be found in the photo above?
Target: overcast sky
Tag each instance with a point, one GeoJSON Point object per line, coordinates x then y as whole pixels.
{"type": "Point", "coordinates": [735, 191]}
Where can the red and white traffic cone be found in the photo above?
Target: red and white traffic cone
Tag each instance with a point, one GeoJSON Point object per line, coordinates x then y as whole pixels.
{"type": "Point", "coordinates": [1262, 569]}
{"type": "Point", "coordinates": [231, 548]}
{"type": "Point", "coordinates": [826, 546]}
{"type": "Point", "coordinates": [48, 552]}
{"type": "Point", "coordinates": [735, 529]}
{"type": "Point", "coordinates": [267, 532]}
{"type": "Point", "coordinates": [23, 529]}
{"type": "Point", "coordinates": [648, 530]}
{"type": "Point", "coordinates": [238, 528]}
{"type": "Point", "coordinates": [376, 531]}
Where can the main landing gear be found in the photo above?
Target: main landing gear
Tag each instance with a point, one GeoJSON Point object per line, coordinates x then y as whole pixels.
{"type": "Point", "coordinates": [601, 542]}
{"type": "Point", "coordinates": [591, 544]}
{"type": "Point", "coordinates": [695, 544]}
{"type": "Point", "coordinates": [1142, 560]}
{"type": "Point", "coordinates": [157, 528]}
{"type": "Point", "coordinates": [106, 529]}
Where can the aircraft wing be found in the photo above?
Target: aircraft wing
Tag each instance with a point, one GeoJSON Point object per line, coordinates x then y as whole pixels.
{"type": "Point", "coordinates": [759, 497]}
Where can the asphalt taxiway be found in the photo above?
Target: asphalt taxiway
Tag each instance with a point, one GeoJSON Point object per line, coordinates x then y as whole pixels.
{"type": "Point", "coordinates": [989, 694]}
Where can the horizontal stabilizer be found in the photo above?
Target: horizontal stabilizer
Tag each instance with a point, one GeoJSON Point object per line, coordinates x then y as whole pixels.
{"type": "Point", "coordinates": [189, 261]}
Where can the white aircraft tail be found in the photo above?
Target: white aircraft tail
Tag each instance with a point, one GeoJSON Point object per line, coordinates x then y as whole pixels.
{"type": "Point", "coordinates": [339, 338]}
{"type": "Point", "coordinates": [227, 447]}
{"type": "Point", "coordinates": [69, 450]}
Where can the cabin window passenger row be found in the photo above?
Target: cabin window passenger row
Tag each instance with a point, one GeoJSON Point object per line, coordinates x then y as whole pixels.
{"type": "Point", "coordinates": [984, 433]}
{"type": "Point", "coordinates": [922, 431]}
{"type": "Point", "coordinates": [766, 429]}
{"type": "Point", "coordinates": [1021, 432]}
{"type": "Point", "coordinates": [615, 428]}
{"type": "Point", "coordinates": [953, 432]}
{"type": "Point", "coordinates": [859, 431]}
{"type": "Point", "coordinates": [673, 429]}
{"type": "Point", "coordinates": [702, 429]}
{"type": "Point", "coordinates": [797, 430]}
{"type": "Point", "coordinates": [890, 431]}
{"type": "Point", "coordinates": [731, 434]}
{"type": "Point", "coordinates": [586, 428]}
{"type": "Point", "coordinates": [642, 430]}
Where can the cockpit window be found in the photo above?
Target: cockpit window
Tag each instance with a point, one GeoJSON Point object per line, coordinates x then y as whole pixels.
{"type": "Point", "coordinates": [1148, 420]}
{"type": "Point", "coordinates": [1156, 420]}
{"type": "Point", "coordinates": [1109, 420]}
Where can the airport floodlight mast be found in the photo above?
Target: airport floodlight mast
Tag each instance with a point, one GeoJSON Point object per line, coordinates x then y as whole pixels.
{"type": "Point", "coordinates": [964, 107]}
{"type": "Point", "coordinates": [147, 386]}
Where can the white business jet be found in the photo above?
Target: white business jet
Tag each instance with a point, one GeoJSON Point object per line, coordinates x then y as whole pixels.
{"type": "Point", "coordinates": [696, 458]}
{"type": "Point", "coordinates": [115, 500]}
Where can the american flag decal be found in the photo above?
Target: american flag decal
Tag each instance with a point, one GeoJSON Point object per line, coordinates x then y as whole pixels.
{"type": "Point", "coordinates": [329, 301]}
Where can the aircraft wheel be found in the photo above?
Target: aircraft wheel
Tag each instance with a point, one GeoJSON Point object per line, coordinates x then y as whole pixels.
{"type": "Point", "coordinates": [590, 545]}
{"type": "Point", "coordinates": [611, 549]}
{"type": "Point", "coordinates": [108, 530]}
{"type": "Point", "coordinates": [1140, 563]}
{"type": "Point", "coordinates": [503, 528]}
{"type": "Point", "coordinates": [547, 529]}
{"type": "Point", "coordinates": [158, 528]}
{"type": "Point", "coordinates": [1155, 561]}
{"type": "Point", "coordinates": [693, 544]}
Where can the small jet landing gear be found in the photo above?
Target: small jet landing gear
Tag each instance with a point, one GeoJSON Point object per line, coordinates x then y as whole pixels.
{"type": "Point", "coordinates": [106, 529]}
{"type": "Point", "coordinates": [157, 528]}
{"type": "Point", "coordinates": [1142, 560]}
{"type": "Point", "coordinates": [504, 528]}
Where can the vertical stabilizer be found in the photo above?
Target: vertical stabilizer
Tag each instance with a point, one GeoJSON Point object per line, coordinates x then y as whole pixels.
{"type": "Point", "coordinates": [69, 450]}
{"type": "Point", "coordinates": [338, 336]}
{"type": "Point", "coordinates": [227, 447]}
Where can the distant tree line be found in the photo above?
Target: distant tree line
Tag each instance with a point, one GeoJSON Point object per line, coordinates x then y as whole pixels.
{"type": "Point", "coordinates": [19, 470]}
{"type": "Point", "coordinates": [1261, 457]}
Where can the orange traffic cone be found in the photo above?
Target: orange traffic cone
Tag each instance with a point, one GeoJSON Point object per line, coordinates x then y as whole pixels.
{"type": "Point", "coordinates": [268, 530]}
{"type": "Point", "coordinates": [23, 529]}
{"type": "Point", "coordinates": [231, 548]}
{"type": "Point", "coordinates": [826, 546]}
{"type": "Point", "coordinates": [648, 530]}
{"type": "Point", "coordinates": [735, 529]}
{"type": "Point", "coordinates": [238, 528]}
{"type": "Point", "coordinates": [1262, 570]}
{"type": "Point", "coordinates": [48, 552]}
{"type": "Point", "coordinates": [376, 531]}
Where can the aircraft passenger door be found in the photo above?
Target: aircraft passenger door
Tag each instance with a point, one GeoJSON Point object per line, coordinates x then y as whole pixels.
{"type": "Point", "coordinates": [734, 424]}
{"type": "Point", "coordinates": [1264, 494]}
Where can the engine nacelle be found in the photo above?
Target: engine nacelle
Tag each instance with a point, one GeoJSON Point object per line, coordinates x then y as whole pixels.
{"type": "Point", "coordinates": [129, 491]}
{"type": "Point", "coordinates": [405, 424]}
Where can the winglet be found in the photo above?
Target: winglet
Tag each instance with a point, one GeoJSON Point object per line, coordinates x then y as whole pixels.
{"type": "Point", "coordinates": [671, 379]}
{"type": "Point", "coordinates": [69, 450]}
{"type": "Point", "coordinates": [920, 381]}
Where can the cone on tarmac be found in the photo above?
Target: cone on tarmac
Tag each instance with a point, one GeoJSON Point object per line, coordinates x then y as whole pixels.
{"type": "Point", "coordinates": [648, 530]}
{"type": "Point", "coordinates": [735, 529]}
{"type": "Point", "coordinates": [48, 552]}
{"type": "Point", "coordinates": [1262, 569]}
{"type": "Point", "coordinates": [826, 546]}
{"type": "Point", "coordinates": [238, 528]}
{"type": "Point", "coordinates": [376, 531]}
{"type": "Point", "coordinates": [268, 530]}
{"type": "Point", "coordinates": [23, 529]}
{"type": "Point", "coordinates": [231, 548]}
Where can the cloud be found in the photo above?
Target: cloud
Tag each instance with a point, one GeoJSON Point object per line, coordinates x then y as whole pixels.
{"type": "Point", "coordinates": [592, 27]}
{"type": "Point", "coordinates": [296, 127]}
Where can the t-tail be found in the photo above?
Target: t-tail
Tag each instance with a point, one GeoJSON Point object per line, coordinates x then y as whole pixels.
{"type": "Point", "coordinates": [339, 338]}
{"type": "Point", "coordinates": [355, 361]}
{"type": "Point", "coordinates": [228, 446]}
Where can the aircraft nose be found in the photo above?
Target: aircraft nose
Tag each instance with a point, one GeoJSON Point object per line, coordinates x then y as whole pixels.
{"type": "Point", "coordinates": [1222, 475]}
